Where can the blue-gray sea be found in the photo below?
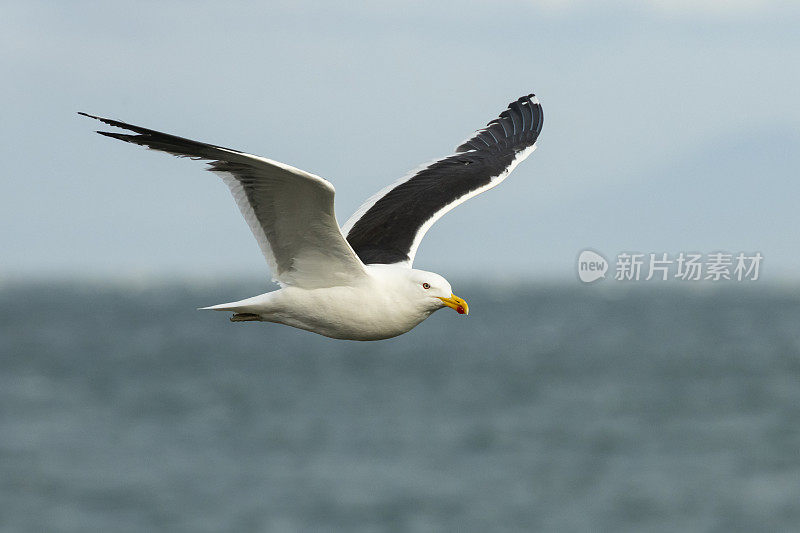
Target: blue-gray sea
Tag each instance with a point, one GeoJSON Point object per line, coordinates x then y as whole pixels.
{"type": "Point", "coordinates": [551, 407]}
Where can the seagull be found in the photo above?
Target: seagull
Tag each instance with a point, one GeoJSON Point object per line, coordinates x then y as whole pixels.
{"type": "Point", "coordinates": [355, 282]}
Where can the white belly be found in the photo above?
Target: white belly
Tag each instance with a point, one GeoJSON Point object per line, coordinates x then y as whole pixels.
{"type": "Point", "coordinates": [355, 313]}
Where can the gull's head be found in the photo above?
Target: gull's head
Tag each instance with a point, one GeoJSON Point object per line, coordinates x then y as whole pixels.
{"type": "Point", "coordinates": [433, 291]}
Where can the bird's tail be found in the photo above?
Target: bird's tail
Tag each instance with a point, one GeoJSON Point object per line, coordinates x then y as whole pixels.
{"type": "Point", "coordinates": [231, 306]}
{"type": "Point", "coordinates": [243, 311]}
{"type": "Point", "coordinates": [254, 305]}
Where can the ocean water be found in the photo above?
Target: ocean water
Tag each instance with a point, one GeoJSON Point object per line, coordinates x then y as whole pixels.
{"type": "Point", "coordinates": [550, 408]}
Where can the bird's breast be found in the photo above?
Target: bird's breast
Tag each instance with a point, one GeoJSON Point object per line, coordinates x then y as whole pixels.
{"type": "Point", "coordinates": [356, 313]}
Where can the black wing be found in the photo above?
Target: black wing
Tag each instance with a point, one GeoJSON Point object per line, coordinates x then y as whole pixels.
{"type": "Point", "coordinates": [289, 211]}
{"type": "Point", "coordinates": [389, 227]}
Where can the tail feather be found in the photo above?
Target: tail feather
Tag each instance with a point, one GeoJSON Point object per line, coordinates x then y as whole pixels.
{"type": "Point", "coordinates": [219, 307]}
{"type": "Point", "coordinates": [254, 305]}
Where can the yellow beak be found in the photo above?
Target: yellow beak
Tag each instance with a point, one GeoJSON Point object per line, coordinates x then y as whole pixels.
{"type": "Point", "coordinates": [459, 304]}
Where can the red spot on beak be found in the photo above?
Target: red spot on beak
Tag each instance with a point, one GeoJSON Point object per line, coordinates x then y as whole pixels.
{"type": "Point", "coordinates": [460, 310]}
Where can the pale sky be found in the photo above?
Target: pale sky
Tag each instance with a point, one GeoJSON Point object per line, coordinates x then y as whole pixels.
{"type": "Point", "coordinates": [669, 126]}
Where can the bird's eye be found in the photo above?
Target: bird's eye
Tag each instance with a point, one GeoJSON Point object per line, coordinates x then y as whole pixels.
{"type": "Point", "coordinates": [426, 285]}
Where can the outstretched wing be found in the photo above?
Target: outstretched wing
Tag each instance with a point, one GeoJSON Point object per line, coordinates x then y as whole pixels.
{"type": "Point", "coordinates": [289, 211]}
{"type": "Point", "coordinates": [389, 226]}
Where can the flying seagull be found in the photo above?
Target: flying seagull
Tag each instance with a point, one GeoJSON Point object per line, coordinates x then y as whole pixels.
{"type": "Point", "coordinates": [362, 286]}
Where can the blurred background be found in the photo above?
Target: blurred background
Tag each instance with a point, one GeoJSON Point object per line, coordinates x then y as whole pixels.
{"type": "Point", "coordinates": [555, 406]}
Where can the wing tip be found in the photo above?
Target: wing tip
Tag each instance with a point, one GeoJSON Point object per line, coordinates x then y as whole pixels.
{"type": "Point", "coordinates": [101, 119]}
{"type": "Point", "coordinates": [111, 122]}
{"type": "Point", "coordinates": [510, 125]}
{"type": "Point", "coordinates": [120, 136]}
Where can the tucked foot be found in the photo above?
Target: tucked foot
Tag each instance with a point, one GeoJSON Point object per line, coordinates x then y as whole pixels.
{"type": "Point", "coordinates": [245, 317]}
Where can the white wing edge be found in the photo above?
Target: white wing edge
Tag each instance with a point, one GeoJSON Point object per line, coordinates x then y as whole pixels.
{"type": "Point", "coordinates": [289, 168]}
{"type": "Point", "coordinates": [496, 180]}
{"type": "Point", "coordinates": [239, 196]}
{"type": "Point", "coordinates": [372, 200]}
{"type": "Point", "coordinates": [242, 202]}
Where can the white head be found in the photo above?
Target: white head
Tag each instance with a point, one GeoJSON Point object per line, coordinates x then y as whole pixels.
{"type": "Point", "coordinates": [432, 291]}
{"type": "Point", "coordinates": [418, 290]}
